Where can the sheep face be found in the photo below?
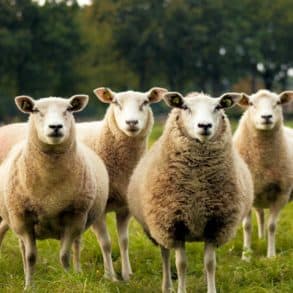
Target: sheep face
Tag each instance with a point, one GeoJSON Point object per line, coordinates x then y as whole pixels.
{"type": "Point", "coordinates": [265, 108]}
{"type": "Point", "coordinates": [201, 115]}
{"type": "Point", "coordinates": [131, 109]}
{"type": "Point", "coordinates": [52, 117]}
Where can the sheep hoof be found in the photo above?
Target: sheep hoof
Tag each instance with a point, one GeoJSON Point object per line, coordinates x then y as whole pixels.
{"type": "Point", "coordinates": [110, 277]}
{"type": "Point", "coordinates": [246, 255]}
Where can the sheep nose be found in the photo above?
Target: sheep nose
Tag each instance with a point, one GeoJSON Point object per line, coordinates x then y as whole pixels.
{"type": "Point", "coordinates": [267, 117]}
{"type": "Point", "coordinates": [131, 122]}
{"type": "Point", "coordinates": [56, 127]}
{"type": "Point", "coordinates": [205, 126]}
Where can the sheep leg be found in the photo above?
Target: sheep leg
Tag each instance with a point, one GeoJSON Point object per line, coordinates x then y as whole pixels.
{"type": "Point", "coordinates": [273, 217]}
{"type": "Point", "coordinates": [210, 266]}
{"type": "Point", "coordinates": [260, 217]}
{"type": "Point", "coordinates": [167, 281]}
{"type": "Point", "coordinates": [100, 229]}
{"type": "Point", "coordinates": [29, 257]}
{"type": "Point", "coordinates": [76, 254]}
{"type": "Point", "coordinates": [67, 240]}
{"type": "Point", "coordinates": [22, 250]}
{"type": "Point", "coordinates": [122, 221]}
{"type": "Point", "coordinates": [181, 265]}
{"type": "Point", "coordinates": [246, 224]}
{"type": "Point", "coordinates": [3, 229]}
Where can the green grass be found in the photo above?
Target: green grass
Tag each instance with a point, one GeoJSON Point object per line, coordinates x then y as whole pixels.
{"type": "Point", "coordinates": [233, 275]}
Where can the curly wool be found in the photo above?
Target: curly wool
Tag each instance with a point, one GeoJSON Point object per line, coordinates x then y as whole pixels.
{"type": "Point", "coordinates": [183, 190]}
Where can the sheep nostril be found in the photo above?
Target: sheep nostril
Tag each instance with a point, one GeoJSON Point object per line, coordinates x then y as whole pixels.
{"type": "Point", "coordinates": [204, 125]}
{"type": "Point", "coordinates": [266, 117]}
{"type": "Point", "coordinates": [131, 122]}
{"type": "Point", "coordinates": [56, 127]}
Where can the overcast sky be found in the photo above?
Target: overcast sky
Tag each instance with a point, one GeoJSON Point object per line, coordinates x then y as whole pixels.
{"type": "Point", "coordinates": [81, 2]}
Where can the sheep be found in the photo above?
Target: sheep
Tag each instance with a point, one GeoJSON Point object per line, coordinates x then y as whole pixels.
{"type": "Point", "coordinates": [192, 185]}
{"type": "Point", "coordinates": [51, 185]}
{"type": "Point", "coordinates": [120, 139]}
{"type": "Point", "coordinates": [266, 146]}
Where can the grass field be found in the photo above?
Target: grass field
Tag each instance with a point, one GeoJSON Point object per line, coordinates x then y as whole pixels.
{"type": "Point", "coordinates": [233, 275]}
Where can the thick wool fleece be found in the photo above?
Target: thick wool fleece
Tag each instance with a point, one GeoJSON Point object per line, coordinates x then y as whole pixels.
{"type": "Point", "coordinates": [183, 190]}
{"type": "Point", "coordinates": [269, 156]}
{"type": "Point", "coordinates": [120, 153]}
{"type": "Point", "coordinates": [46, 188]}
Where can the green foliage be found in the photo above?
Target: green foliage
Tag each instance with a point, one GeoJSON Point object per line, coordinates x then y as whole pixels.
{"type": "Point", "coordinates": [61, 49]}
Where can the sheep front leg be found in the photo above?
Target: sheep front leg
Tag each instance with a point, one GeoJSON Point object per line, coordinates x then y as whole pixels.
{"type": "Point", "coordinates": [29, 257]}
{"type": "Point", "coordinates": [181, 265]}
{"type": "Point", "coordinates": [246, 224]}
{"type": "Point", "coordinates": [100, 229]}
{"type": "Point", "coordinates": [3, 229]}
{"type": "Point", "coordinates": [76, 254]}
{"type": "Point", "coordinates": [122, 221]}
{"type": "Point", "coordinates": [66, 243]}
{"type": "Point", "coordinates": [210, 266]}
{"type": "Point", "coordinates": [272, 222]}
{"type": "Point", "coordinates": [260, 217]}
{"type": "Point", "coordinates": [167, 281]}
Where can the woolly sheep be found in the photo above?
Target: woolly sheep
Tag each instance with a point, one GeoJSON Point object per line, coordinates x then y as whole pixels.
{"type": "Point", "coordinates": [266, 146]}
{"type": "Point", "coordinates": [192, 185]}
{"type": "Point", "coordinates": [120, 139]}
{"type": "Point", "coordinates": [52, 186]}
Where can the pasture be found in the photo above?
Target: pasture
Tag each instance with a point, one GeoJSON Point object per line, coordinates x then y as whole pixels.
{"type": "Point", "coordinates": [233, 275]}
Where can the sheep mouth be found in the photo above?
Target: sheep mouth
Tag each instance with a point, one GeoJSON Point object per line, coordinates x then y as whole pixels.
{"type": "Point", "coordinates": [205, 133]}
{"type": "Point", "coordinates": [267, 122]}
{"type": "Point", "coordinates": [56, 135]}
{"type": "Point", "coordinates": [133, 129]}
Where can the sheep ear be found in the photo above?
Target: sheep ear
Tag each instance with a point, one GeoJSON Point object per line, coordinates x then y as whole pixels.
{"type": "Point", "coordinates": [25, 104]}
{"type": "Point", "coordinates": [174, 100]}
{"type": "Point", "coordinates": [78, 102]}
{"type": "Point", "coordinates": [286, 97]}
{"type": "Point", "coordinates": [104, 94]}
{"type": "Point", "coordinates": [156, 94]}
{"type": "Point", "coordinates": [228, 100]}
{"type": "Point", "coordinates": [244, 101]}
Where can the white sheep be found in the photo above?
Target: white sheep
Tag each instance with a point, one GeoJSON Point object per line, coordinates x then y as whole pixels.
{"type": "Point", "coordinates": [266, 146]}
{"type": "Point", "coordinates": [51, 185]}
{"type": "Point", "coordinates": [120, 139]}
{"type": "Point", "coordinates": [192, 185]}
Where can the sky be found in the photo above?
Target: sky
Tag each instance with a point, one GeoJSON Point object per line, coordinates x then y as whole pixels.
{"type": "Point", "coordinates": [81, 2]}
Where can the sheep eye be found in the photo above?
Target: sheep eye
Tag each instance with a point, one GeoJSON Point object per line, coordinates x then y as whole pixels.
{"type": "Point", "coordinates": [278, 103]}
{"type": "Point", "coordinates": [143, 104]}
{"type": "Point", "coordinates": [35, 110]}
{"type": "Point", "coordinates": [185, 108]}
{"type": "Point", "coordinates": [250, 104]}
{"type": "Point", "coordinates": [218, 108]}
{"type": "Point", "coordinates": [116, 103]}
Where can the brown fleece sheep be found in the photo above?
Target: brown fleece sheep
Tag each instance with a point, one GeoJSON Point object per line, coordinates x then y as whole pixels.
{"type": "Point", "coordinates": [267, 148]}
{"type": "Point", "coordinates": [52, 186]}
{"type": "Point", "coordinates": [192, 185]}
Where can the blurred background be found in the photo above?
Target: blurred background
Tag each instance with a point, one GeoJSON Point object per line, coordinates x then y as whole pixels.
{"type": "Point", "coordinates": [64, 47]}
